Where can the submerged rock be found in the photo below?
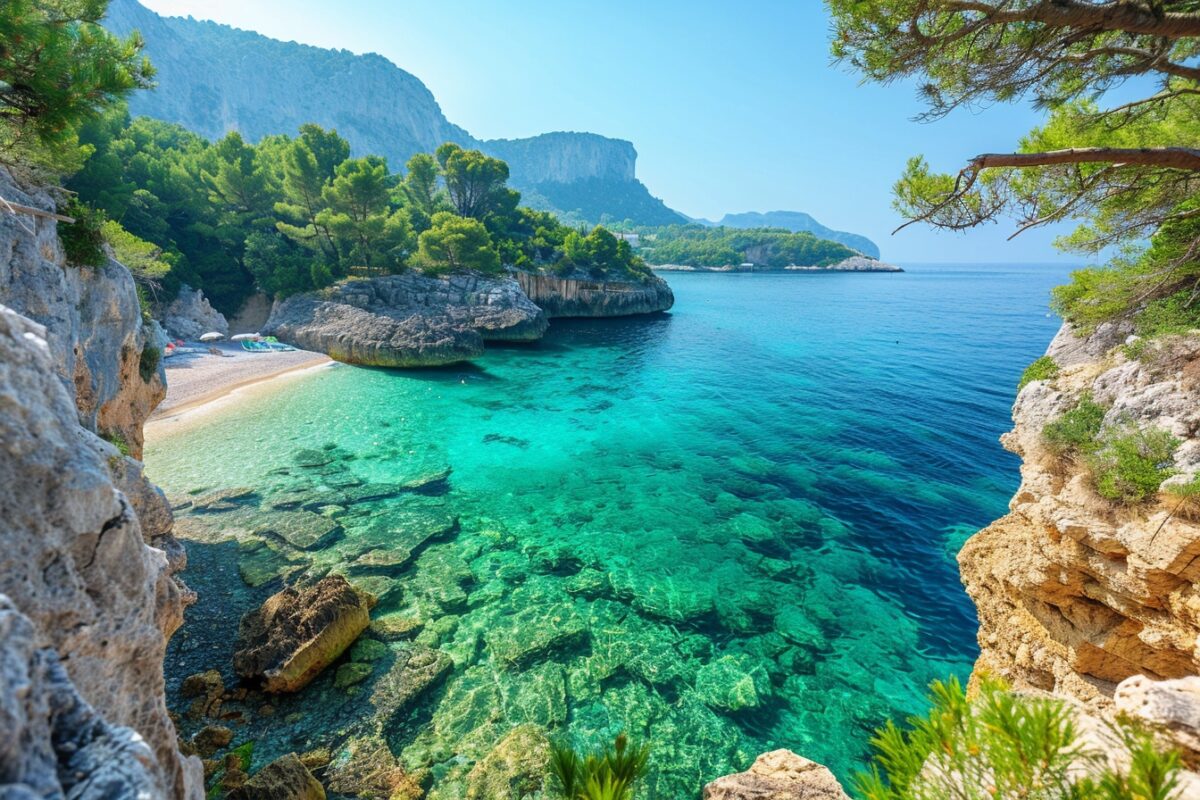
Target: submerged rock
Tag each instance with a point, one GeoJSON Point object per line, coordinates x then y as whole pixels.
{"type": "Point", "coordinates": [408, 320]}
{"type": "Point", "coordinates": [295, 634]}
{"type": "Point", "coordinates": [589, 297]}
{"type": "Point", "coordinates": [365, 767]}
{"type": "Point", "coordinates": [535, 633]}
{"type": "Point", "coordinates": [778, 775]}
{"type": "Point", "coordinates": [415, 671]}
{"type": "Point", "coordinates": [517, 767]}
{"type": "Point", "coordinates": [303, 530]}
{"type": "Point", "coordinates": [285, 778]}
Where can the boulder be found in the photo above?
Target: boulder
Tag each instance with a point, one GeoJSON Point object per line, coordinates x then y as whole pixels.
{"type": "Point", "coordinates": [581, 296]}
{"type": "Point", "coordinates": [296, 633]}
{"type": "Point", "coordinates": [365, 767]}
{"type": "Point", "coordinates": [284, 778]}
{"type": "Point", "coordinates": [189, 316]}
{"type": "Point", "coordinates": [1171, 707]}
{"type": "Point", "coordinates": [408, 320]}
{"type": "Point", "coordinates": [778, 775]}
{"type": "Point", "coordinates": [75, 561]}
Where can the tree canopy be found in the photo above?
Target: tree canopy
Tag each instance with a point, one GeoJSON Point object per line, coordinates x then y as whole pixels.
{"type": "Point", "coordinates": [292, 214]}
{"type": "Point", "coordinates": [1126, 170]}
{"type": "Point", "coordinates": [58, 67]}
{"type": "Point", "coordinates": [700, 246]}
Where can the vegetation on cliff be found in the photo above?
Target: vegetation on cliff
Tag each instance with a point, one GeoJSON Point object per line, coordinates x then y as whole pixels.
{"type": "Point", "coordinates": [1008, 745]}
{"type": "Point", "coordinates": [700, 246]}
{"type": "Point", "coordinates": [1127, 170]}
{"type": "Point", "coordinates": [293, 214]}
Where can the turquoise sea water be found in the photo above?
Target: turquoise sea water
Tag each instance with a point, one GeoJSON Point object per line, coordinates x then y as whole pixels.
{"type": "Point", "coordinates": [727, 529]}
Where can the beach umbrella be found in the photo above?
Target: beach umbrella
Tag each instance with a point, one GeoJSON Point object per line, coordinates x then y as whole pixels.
{"type": "Point", "coordinates": [212, 336]}
{"type": "Point", "coordinates": [244, 337]}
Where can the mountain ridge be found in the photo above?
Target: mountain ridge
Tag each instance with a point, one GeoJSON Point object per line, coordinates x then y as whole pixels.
{"type": "Point", "coordinates": [213, 78]}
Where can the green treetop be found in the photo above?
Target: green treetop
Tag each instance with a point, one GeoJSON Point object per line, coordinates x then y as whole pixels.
{"type": "Point", "coordinates": [58, 67]}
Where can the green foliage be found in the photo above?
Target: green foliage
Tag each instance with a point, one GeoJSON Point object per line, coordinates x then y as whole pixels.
{"type": "Point", "coordinates": [612, 774]}
{"type": "Point", "coordinates": [455, 243]}
{"type": "Point", "coordinates": [1129, 464]}
{"type": "Point", "coordinates": [117, 441]}
{"type": "Point", "coordinates": [292, 215]}
{"type": "Point", "coordinates": [1077, 430]}
{"type": "Point", "coordinates": [600, 254]}
{"type": "Point", "coordinates": [1005, 746]}
{"type": "Point", "coordinates": [58, 67]}
{"type": "Point", "coordinates": [1174, 314]}
{"type": "Point", "coordinates": [474, 181]}
{"type": "Point", "coordinates": [1074, 167]}
{"type": "Point", "coordinates": [83, 240]}
{"type": "Point", "coordinates": [148, 362]}
{"type": "Point", "coordinates": [700, 246]}
{"type": "Point", "coordinates": [1043, 369]}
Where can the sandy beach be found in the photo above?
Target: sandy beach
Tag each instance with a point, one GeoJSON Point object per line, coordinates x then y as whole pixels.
{"type": "Point", "coordinates": [199, 378]}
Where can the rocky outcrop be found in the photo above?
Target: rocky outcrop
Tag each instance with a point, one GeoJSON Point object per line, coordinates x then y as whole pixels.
{"type": "Point", "coordinates": [284, 778]}
{"type": "Point", "coordinates": [851, 264]}
{"type": "Point", "coordinates": [1171, 708]}
{"type": "Point", "coordinates": [52, 743]}
{"type": "Point", "coordinates": [1076, 594]}
{"type": "Point", "coordinates": [101, 350]}
{"type": "Point", "coordinates": [586, 297]}
{"type": "Point", "coordinates": [408, 320]}
{"type": "Point", "coordinates": [99, 602]}
{"type": "Point", "coordinates": [190, 316]}
{"type": "Point", "coordinates": [778, 775]}
{"type": "Point", "coordinates": [296, 633]}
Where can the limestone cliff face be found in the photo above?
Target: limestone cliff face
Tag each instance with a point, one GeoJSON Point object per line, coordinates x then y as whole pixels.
{"type": "Point", "coordinates": [92, 317]}
{"type": "Point", "coordinates": [89, 604]}
{"type": "Point", "coordinates": [564, 157]}
{"type": "Point", "coordinates": [1074, 593]}
{"type": "Point", "coordinates": [585, 297]}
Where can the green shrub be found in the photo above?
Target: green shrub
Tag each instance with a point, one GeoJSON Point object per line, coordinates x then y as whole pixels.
{"type": "Point", "coordinates": [1130, 464]}
{"type": "Point", "coordinates": [610, 775]}
{"type": "Point", "coordinates": [1076, 431]}
{"type": "Point", "coordinates": [1004, 746]}
{"type": "Point", "coordinates": [83, 240]}
{"type": "Point", "coordinates": [1186, 497]}
{"type": "Point", "coordinates": [1176, 313]}
{"type": "Point", "coordinates": [1043, 369]}
{"type": "Point", "coordinates": [116, 440]}
{"type": "Point", "coordinates": [148, 362]}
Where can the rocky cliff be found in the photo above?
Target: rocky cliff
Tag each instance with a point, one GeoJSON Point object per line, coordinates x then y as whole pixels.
{"type": "Point", "coordinates": [105, 356]}
{"type": "Point", "coordinates": [213, 79]}
{"type": "Point", "coordinates": [86, 605]}
{"type": "Point", "coordinates": [588, 297]}
{"type": "Point", "coordinates": [1074, 592]}
{"type": "Point", "coordinates": [408, 320]}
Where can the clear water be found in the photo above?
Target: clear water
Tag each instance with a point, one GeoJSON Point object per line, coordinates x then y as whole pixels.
{"type": "Point", "coordinates": [728, 529]}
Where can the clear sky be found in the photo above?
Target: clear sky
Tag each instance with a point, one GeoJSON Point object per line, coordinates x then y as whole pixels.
{"type": "Point", "coordinates": [733, 106]}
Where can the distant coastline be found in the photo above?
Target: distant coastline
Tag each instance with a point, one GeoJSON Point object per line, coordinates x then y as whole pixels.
{"type": "Point", "coordinates": [854, 264]}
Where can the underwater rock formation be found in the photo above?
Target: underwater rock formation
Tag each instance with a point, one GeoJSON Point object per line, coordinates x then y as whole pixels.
{"type": "Point", "coordinates": [285, 778]}
{"type": "Point", "coordinates": [297, 633]}
{"type": "Point", "coordinates": [582, 296]}
{"type": "Point", "coordinates": [778, 775]}
{"type": "Point", "coordinates": [408, 320]}
{"type": "Point", "coordinates": [98, 599]}
{"type": "Point", "coordinates": [105, 356]}
{"type": "Point", "coordinates": [1074, 592]}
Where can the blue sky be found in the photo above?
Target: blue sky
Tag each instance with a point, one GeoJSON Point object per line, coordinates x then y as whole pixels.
{"type": "Point", "coordinates": [732, 106]}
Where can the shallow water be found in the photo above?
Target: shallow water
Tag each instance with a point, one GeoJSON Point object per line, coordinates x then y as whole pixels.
{"type": "Point", "coordinates": [727, 529]}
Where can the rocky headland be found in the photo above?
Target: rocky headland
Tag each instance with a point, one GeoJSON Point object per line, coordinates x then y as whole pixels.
{"type": "Point", "coordinates": [408, 320]}
{"type": "Point", "coordinates": [417, 320]}
{"type": "Point", "coordinates": [852, 264]}
{"type": "Point", "coordinates": [584, 296]}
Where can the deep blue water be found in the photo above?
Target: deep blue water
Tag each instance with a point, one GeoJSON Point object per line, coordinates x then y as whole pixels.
{"type": "Point", "coordinates": [750, 505]}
